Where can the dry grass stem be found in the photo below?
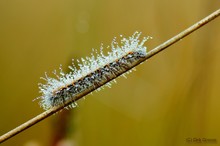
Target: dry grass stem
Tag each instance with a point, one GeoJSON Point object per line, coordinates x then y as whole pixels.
{"type": "Point", "coordinates": [151, 53]}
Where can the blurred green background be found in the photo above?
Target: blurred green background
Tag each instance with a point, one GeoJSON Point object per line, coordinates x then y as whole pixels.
{"type": "Point", "coordinates": [173, 96]}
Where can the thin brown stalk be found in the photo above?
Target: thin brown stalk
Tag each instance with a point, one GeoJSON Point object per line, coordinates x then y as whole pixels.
{"type": "Point", "coordinates": [151, 53]}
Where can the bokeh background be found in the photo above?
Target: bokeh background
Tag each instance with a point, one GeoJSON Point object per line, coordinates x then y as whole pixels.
{"type": "Point", "coordinates": [170, 98]}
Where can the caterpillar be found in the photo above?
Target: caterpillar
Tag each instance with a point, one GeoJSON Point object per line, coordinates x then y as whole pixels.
{"type": "Point", "coordinates": [93, 71]}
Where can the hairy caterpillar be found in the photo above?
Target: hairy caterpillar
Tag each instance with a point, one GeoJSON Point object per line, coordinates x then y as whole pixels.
{"type": "Point", "coordinates": [92, 71]}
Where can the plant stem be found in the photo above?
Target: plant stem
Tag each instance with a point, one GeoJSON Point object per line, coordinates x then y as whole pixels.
{"type": "Point", "coordinates": [151, 53]}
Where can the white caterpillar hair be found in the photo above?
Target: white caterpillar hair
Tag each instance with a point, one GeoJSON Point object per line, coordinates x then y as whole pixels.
{"type": "Point", "coordinates": [92, 71]}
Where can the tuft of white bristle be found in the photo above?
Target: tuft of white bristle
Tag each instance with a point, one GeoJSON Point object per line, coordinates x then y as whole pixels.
{"type": "Point", "coordinates": [92, 70]}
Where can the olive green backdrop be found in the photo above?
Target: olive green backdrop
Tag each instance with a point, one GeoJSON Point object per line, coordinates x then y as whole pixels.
{"type": "Point", "coordinates": [173, 96]}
